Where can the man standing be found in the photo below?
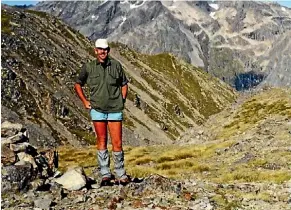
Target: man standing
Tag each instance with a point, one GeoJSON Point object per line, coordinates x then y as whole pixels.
{"type": "Point", "coordinates": [108, 90]}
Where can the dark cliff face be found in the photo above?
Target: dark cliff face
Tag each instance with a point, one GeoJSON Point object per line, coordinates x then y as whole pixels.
{"type": "Point", "coordinates": [41, 57]}
{"type": "Point", "coordinates": [242, 32]}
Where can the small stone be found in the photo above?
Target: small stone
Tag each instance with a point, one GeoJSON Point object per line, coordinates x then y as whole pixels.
{"type": "Point", "coordinates": [112, 205]}
{"type": "Point", "coordinates": [43, 203]}
{"type": "Point", "coordinates": [137, 204]}
{"type": "Point", "coordinates": [117, 199]}
{"type": "Point", "coordinates": [37, 184]}
{"type": "Point", "coordinates": [200, 132]}
{"type": "Point", "coordinates": [188, 196]}
{"type": "Point", "coordinates": [57, 174]}
{"type": "Point", "coordinates": [20, 163]}
{"type": "Point", "coordinates": [151, 206]}
{"type": "Point", "coordinates": [80, 199]}
{"type": "Point", "coordinates": [119, 206]}
{"type": "Point", "coordinates": [95, 186]}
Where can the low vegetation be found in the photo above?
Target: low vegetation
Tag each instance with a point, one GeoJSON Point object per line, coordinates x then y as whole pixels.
{"type": "Point", "coordinates": [204, 161]}
{"type": "Point", "coordinates": [256, 110]}
{"type": "Point", "coordinates": [178, 162]}
{"type": "Point", "coordinates": [5, 22]}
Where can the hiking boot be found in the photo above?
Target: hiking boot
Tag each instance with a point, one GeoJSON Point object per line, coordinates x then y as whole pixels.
{"type": "Point", "coordinates": [106, 181]}
{"type": "Point", "coordinates": [124, 181]}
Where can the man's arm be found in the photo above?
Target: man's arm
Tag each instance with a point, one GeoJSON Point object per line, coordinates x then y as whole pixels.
{"type": "Point", "coordinates": [80, 81]}
{"type": "Point", "coordinates": [124, 90]}
{"type": "Point", "coordinates": [80, 93]}
{"type": "Point", "coordinates": [124, 85]}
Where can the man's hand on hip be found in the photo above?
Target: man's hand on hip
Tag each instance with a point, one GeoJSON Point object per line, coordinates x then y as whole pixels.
{"type": "Point", "coordinates": [87, 104]}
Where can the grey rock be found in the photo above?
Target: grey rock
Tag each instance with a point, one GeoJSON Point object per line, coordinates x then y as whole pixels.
{"type": "Point", "coordinates": [19, 147]}
{"type": "Point", "coordinates": [19, 137]}
{"type": "Point", "coordinates": [20, 163]}
{"type": "Point", "coordinates": [8, 115]}
{"type": "Point", "coordinates": [27, 158]}
{"type": "Point", "coordinates": [43, 203]}
{"type": "Point", "coordinates": [16, 178]}
{"type": "Point", "coordinates": [6, 125]}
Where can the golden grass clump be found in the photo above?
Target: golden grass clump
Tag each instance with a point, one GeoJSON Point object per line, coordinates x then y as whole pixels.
{"type": "Point", "coordinates": [244, 174]}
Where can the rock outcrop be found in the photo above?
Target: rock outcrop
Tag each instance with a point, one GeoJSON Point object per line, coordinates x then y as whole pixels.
{"type": "Point", "coordinates": [21, 163]}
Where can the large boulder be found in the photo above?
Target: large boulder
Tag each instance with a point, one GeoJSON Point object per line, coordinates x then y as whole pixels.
{"type": "Point", "coordinates": [73, 179]}
{"type": "Point", "coordinates": [16, 178]}
{"type": "Point", "coordinates": [9, 129]}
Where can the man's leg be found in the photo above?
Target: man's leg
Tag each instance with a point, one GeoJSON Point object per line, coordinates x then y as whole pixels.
{"type": "Point", "coordinates": [102, 153]}
{"type": "Point", "coordinates": [115, 128]}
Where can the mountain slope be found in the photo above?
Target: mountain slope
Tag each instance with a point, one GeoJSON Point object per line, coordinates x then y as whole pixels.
{"type": "Point", "coordinates": [232, 40]}
{"type": "Point", "coordinates": [41, 57]}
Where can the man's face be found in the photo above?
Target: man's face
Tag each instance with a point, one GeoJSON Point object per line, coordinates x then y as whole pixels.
{"type": "Point", "coordinates": [101, 53]}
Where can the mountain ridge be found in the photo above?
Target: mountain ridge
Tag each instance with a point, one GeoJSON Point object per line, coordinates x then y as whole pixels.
{"type": "Point", "coordinates": [245, 33]}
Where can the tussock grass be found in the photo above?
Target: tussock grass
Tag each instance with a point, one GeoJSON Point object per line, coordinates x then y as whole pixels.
{"type": "Point", "coordinates": [88, 137]}
{"type": "Point", "coordinates": [245, 174]}
{"type": "Point", "coordinates": [138, 171]}
{"type": "Point", "coordinates": [69, 156]}
{"type": "Point", "coordinates": [175, 164]}
{"type": "Point", "coordinates": [165, 158]}
{"type": "Point", "coordinates": [192, 160]}
{"type": "Point", "coordinates": [200, 168]}
{"type": "Point", "coordinates": [143, 160]}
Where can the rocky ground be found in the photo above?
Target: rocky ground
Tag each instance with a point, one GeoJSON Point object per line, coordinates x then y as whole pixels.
{"type": "Point", "coordinates": [156, 192]}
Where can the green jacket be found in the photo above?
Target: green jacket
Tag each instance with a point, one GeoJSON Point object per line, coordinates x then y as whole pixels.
{"type": "Point", "coordinates": [105, 82]}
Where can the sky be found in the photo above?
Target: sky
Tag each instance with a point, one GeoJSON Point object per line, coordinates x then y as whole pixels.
{"type": "Point", "coordinates": [284, 3]}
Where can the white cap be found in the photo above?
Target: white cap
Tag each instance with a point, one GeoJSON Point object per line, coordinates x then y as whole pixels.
{"type": "Point", "coordinates": [101, 43]}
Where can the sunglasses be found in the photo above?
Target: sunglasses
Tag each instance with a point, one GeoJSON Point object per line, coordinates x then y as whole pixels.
{"type": "Point", "coordinates": [104, 49]}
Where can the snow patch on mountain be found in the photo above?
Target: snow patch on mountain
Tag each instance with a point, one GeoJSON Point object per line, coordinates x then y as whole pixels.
{"type": "Point", "coordinates": [214, 6]}
{"type": "Point", "coordinates": [134, 6]}
{"type": "Point", "coordinates": [212, 15]}
{"type": "Point", "coordinates": [123, 20]}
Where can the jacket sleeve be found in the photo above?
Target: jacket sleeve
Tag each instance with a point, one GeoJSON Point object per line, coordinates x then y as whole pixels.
{"type": "Point", "coordinates": [82, 77]}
